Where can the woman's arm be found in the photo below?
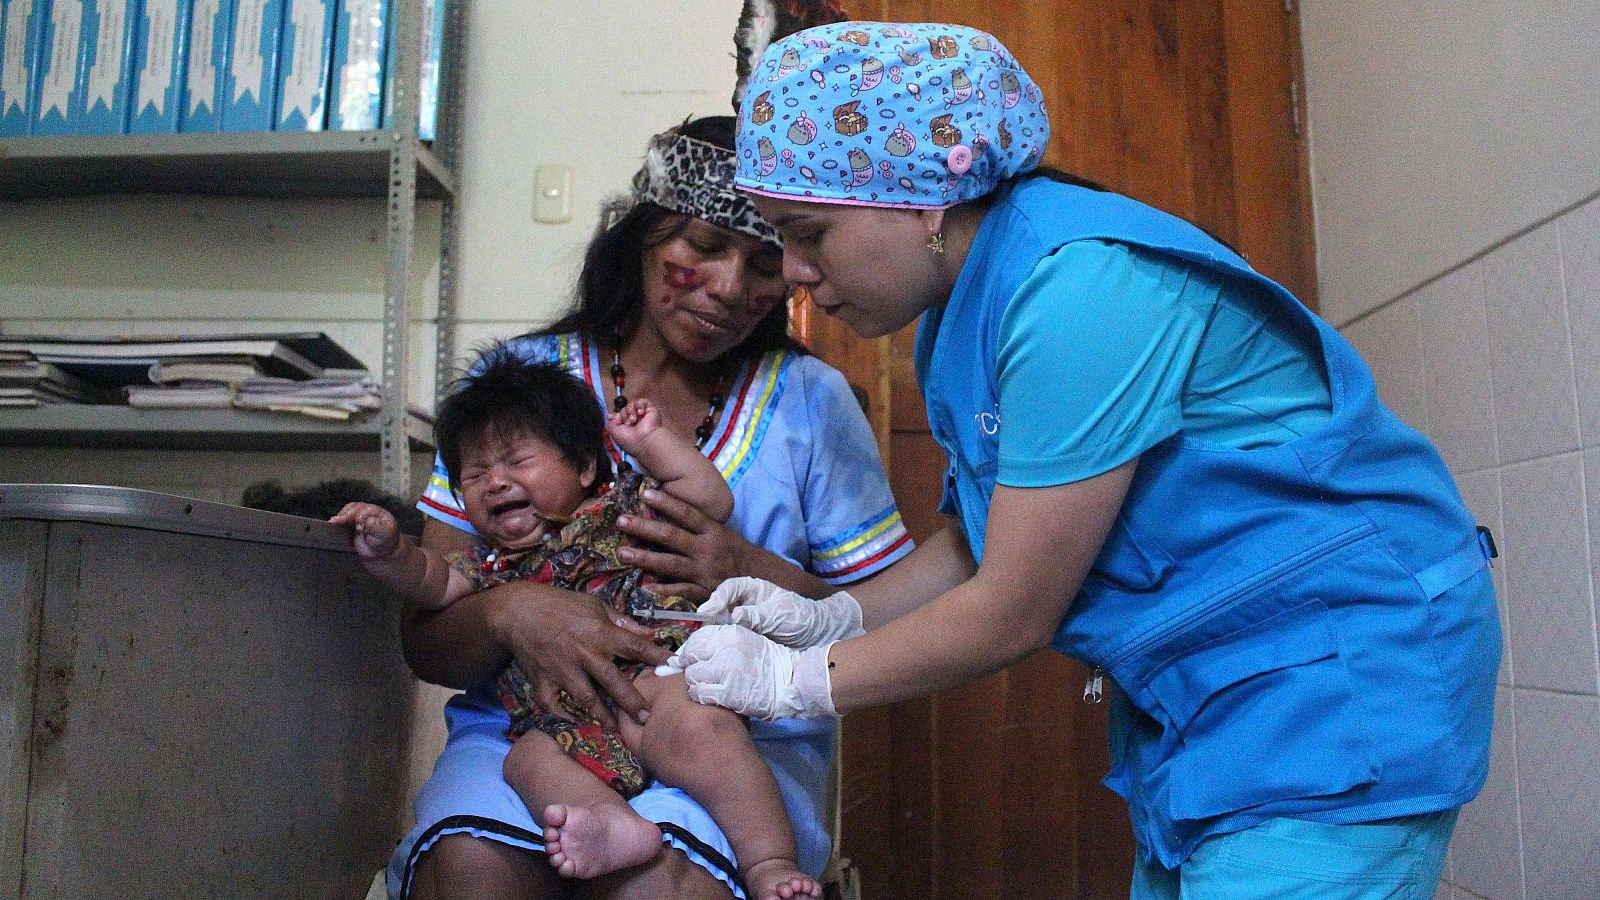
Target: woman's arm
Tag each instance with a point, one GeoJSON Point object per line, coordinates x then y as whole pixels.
{"type": "Point", "coordinates": [1040, 545]}
{"type": "Point", "coordinates": [939, 564]}
{"type": "Point", "coordinates": [800, 622]}
{"type": "Point", "coordinates": [1041, 542]}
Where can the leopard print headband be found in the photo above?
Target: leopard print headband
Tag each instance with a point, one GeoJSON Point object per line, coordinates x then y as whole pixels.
{"type": "Point", "coordinates": [696, 178]}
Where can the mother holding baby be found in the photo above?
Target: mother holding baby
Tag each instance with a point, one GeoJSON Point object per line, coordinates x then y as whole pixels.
{"type": "Point", "coordinates": [681, 302]}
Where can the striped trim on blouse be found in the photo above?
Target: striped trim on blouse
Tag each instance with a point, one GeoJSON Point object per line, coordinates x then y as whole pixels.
{"type": "Point", "coordinates": [862, 547]}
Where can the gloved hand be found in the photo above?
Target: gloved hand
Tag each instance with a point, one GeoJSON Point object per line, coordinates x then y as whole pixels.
{"type": "Point", "coordinates": [731, 666]}
{"type": "Point", "coordinates": [787, 617]}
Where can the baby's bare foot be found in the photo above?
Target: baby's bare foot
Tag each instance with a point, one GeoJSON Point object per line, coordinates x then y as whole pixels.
{"type": "Point", "coordinates": [780, 879]}
{"type": "Point", "coordinates": [588, 841]}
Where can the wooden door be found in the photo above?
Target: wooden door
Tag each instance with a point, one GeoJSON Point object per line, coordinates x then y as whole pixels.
{"type": "Point", "coordinates": [992, 790]}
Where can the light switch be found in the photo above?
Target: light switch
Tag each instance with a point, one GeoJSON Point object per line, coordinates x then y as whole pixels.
{"type": "Point", "coordinates": [552, 194]}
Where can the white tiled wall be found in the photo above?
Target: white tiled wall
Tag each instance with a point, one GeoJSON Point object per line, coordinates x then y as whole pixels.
{"type": "Point", "coordinates": [1441, 128]}
{"type": "Point", "coordinates": [1499, 363]}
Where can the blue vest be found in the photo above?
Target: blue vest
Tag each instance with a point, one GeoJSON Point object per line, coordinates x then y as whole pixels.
{"type": "Point", "coordinates": [1306, 630]}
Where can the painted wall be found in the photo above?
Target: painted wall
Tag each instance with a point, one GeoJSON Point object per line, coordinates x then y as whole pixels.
{"type": "Point", "coordinates": [1455, 147]}
{"type": "Point", "coordinates": [1442, 127]}
{"type": "Point", "coordinates": [577, 84]}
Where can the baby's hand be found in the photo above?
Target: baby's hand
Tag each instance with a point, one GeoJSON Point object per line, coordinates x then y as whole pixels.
{"type": "Point", "coordinates": [377, 534]}
{"type": "Point", "coordinates": [633, 423]}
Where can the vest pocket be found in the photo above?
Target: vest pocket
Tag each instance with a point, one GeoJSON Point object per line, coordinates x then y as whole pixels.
{"type": "Point", "coordinates": [1263, 713]}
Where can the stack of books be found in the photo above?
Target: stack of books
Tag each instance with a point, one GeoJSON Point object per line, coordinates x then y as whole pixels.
{"type": "Point", "coordinates": [301, 372]}
{"type": "Point", "coordinates": [27, 382]}
{"type": "Point", "coordinates": [128, 360]}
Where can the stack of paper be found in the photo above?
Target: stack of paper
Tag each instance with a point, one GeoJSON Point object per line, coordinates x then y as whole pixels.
{"type": "Point", "coordinates": [337, 395]}
{"type": "Point", "coordinates": [222, 369]}
{"type": "Point", "coordinates": [188, 395]}
{"type": "Point", "coordinates": [299, 372]}
{"type": "Point", "coordinates": [27, 382]}
{"type": "Point", "coordinates": [127, 360]}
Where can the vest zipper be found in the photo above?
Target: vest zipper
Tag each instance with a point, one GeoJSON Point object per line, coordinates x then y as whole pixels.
{"type": "Point", "coordinates": [1252, 585]}
{"type": "Point", "coordinates": [1092, 692]}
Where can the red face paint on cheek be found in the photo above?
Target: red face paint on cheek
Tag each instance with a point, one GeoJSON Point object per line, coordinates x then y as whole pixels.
{"type": "Point", "coordinates": [681, 277]}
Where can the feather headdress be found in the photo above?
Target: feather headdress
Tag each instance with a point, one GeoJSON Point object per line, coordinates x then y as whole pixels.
{"type": "Point", "coordinates": [763, 21]}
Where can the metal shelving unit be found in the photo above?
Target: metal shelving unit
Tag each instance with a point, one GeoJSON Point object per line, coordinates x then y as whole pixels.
{"type": "Point", "coordinates": [391, 164]}
{"type": "Point", "coordinates": [127, 427]}
{"type": "Point", "coordinates": [268, 164]}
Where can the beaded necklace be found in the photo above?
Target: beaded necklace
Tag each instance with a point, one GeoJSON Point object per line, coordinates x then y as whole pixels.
{"type": "Point", "coordinates": [619, 379]}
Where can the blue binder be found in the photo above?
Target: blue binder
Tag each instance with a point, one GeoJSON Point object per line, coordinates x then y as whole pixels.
{"type": "Point", "coordinates": [433, 15]}
{"type": "Point", "coordinates": [355, 99]}
{"type": "Point", "coordinates": [252, 82]}
{"type": "Point", "coordinates": [21, 28]}
{"type": "Point", "coordinates": [305, 56]}
{"type": "Point", "coordinates": [59, 83]}
{"type": "Point", "coordinates": [158, 56]}
{"type": "Point", "coordinates": [110, 27]}
{"type": "Point", "coordinates": [206, 65]}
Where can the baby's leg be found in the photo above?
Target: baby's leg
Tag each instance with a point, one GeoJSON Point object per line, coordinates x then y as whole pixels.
{"type": "Point", "coordinates": [589, 829]}
{"type": "Point", "coordinates": [707, 752]}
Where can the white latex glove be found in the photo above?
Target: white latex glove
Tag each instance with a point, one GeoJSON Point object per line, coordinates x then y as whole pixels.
{"type": "Point", "coordinates": [731, 666]}
{"type": "Point", "coordinates": [786, 617]}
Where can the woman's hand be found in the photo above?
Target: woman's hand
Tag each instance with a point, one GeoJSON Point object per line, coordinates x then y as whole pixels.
{"type": "Point", "coordinates": [784, 616]}
{"type": "Point", "coordinates": [733, 667]}
{"type": "Point", "coordinates": [696, 553]}
{"type": "Point", "coordinates": [570, 641]}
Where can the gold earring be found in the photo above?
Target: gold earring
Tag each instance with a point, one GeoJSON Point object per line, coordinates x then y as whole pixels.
{"type": "Point", "coordinates": [936, 242]}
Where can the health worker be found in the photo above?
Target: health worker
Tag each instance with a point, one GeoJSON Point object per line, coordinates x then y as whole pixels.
{"type": "Point", "coordinates": [1161, 463]}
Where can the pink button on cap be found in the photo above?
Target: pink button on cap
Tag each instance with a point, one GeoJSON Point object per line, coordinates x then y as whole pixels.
{"type": "Point", "coordinates": [960, 159]}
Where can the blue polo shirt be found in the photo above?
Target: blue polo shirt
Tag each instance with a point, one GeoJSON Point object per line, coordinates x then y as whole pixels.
{"type": "Point", "coordinates": [1107, 350]}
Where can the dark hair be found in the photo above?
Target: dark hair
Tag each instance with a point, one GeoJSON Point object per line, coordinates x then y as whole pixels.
{"type": "Point", "coordinates": [610, 290]}
{"type": "Point", "coordinates": [505, 395]}
{"type": "Point", "coordinates": [325, 498]}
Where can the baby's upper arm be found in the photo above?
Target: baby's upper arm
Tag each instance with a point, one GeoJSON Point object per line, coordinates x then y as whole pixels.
{"type": "Point", "coordinates": [456, 586]}
{"type": "Point", "coordinates": [457, 582]}
{"type": "Point", "coordinates": [706, 491]}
